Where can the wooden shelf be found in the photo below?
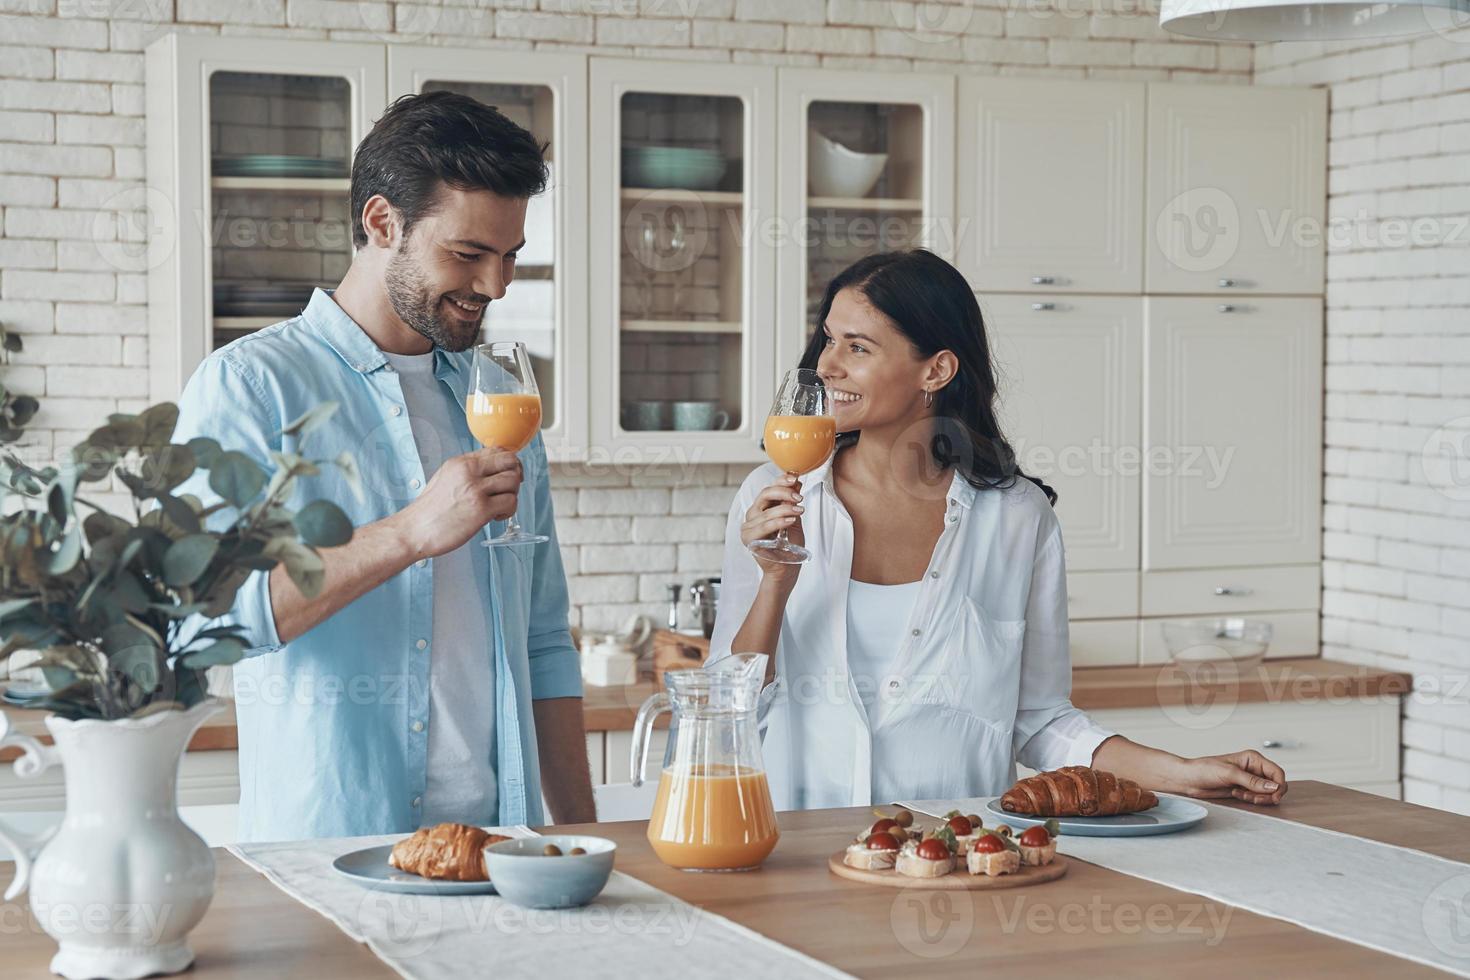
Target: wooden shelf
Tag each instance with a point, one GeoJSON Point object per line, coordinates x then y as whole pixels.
{"type": "Point", "coordinates": [683, 326]}
{"type": "Point", "coordinates": [673, 195]}
{"type": "Point", "coordinates": [312, 185]}
{"type": "Point", "coordinates": [866, 203]}
{"type": "Point", "coordinates": [246, 322]}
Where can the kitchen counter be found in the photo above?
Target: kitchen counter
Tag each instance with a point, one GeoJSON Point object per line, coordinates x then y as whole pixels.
{"type": "Point", "coordinates": [253, 929]}
{"type": "Point", "coordinates": [607, 709]}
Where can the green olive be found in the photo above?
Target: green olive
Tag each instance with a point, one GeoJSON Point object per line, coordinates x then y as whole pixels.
{"type": "Point", "coordinates": [551, 850]}
{"type": "Point", "coordinates": [974, 819]}
{"type": "Point", "coordinates": [577, 850]}
{"type": "Point", "coordinates": [903, 817]}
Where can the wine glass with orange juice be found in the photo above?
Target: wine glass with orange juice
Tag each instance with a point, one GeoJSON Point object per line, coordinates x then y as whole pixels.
{"type": "Point", "coordinates": [800, 435]}
{"type": "Point", "coordinates": [503, 408]}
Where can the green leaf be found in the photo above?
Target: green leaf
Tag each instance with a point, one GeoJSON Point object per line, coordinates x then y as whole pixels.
{"type": "Point", "coordinates": [141, 662]}
{"type": "Point", "coordinates": [128, 593]}
{"type": "Point", "coordinates": [226, 651]}
{"type": "Point", "coordinates": [23, 408]}
{"type": "Point", "coordinates": [323, 525]}
{"type": "Point", "coordinates": [223, 598]}
{"type": "Point", "coordinates": [294, 464]}
{"type": "Point", "coordinates": [183, 611]}
{"type": "Point", "coordinates": [180, 514]}
{"type": "Point", "coordinates": [12, 341]}
{"type": "Point", "coordinates": [188, 558]}
{"type": "Point", "coordinates": [304, 566]}
{"type": "Point", "coordinates": [311, 420]}
{"type": "Point", "coordinates": [191, 687]}
{"type": "Point", "coordinates": [236, 477]}
{"type": "Point", "coordinates": [58, 678]}
{"type": "Point", "coordinates": [205, 451]}
{"type": "Point", "coordinates": [347, 464]}
{"type": "Point", "coordinates": [123, 636]}
{"type": "Point", "coordinates": [158, 424]}
{"type": "Point", "coordinates": [167, 467]}
{"type": "Point", "coordinates": [65, 554]}
{"type": "Point", "coordinates": [99, 524]}
{"type": "Point", "coordinates": [11, 606]}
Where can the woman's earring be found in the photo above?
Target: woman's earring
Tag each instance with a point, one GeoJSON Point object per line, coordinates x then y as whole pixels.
{"type": "Point", "coordinates": [928, 398]}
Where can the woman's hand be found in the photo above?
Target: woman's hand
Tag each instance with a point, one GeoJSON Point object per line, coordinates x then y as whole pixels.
{"type": "Point", "coordinates": [1246, 775]}
{"type": "Point", "coordinates": [777, 508]}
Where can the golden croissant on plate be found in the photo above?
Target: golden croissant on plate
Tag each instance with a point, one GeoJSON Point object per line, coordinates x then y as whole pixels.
{"type": "Point", "coordinates": [1076, 791]}
{"type": "Point", "coordinates": [446, 850]}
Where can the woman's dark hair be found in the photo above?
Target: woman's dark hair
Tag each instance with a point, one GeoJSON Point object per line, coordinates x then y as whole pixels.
{"type": "Point", "coordinates": [442, 137]}
{"type": "Point", "coordinates": [932, 305]}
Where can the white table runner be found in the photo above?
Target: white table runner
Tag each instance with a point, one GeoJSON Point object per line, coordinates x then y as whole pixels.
{"type": "Point", "coordinates": [1389, 898]}
{"type": "Point", "coordinates": [631, 929]}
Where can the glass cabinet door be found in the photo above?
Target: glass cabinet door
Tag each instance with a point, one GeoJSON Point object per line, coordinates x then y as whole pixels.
{"type": "Point", "coordinates": [681, 299]}
{"type": "Point", "coordinates": [870, 170]}
{"type": "Point", "coordinates": [545, 306]}
{"type": "Point", "coordinates": [280, 155]}
{"type": "Point", "coordinates": [250, 149]}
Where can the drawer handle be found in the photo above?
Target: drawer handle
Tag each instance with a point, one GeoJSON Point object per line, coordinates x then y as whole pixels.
{"type": "Point", "coordinates": [1227, 283]}
{"type": "Point", "coordinates": [1043, 280]}
{"type": "Point", "coordinates": [1227, 308]}
{"type": "Point", "coordinates": [1232, 590]}
{"type": "Point", "coordinates": [1043, 306]}
{"type": "Point", "coordinates": [1281, 743]}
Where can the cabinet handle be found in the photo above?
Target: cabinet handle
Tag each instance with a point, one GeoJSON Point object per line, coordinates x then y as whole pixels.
{"type": "Point", "coordinates": [1043, 306]}
{"type": "Point", "coordinates": [1281, 743]}
{"type": "Point", "coordinates": [1043, 280]}
{"type": "Point", "coordinates": [1226, 308]}
{"type": "Point", "coordinates": [1227, 283]}
{"type": "Point", "coordinates": [1232, 590]}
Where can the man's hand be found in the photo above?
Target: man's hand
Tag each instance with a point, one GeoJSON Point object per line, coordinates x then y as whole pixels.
{"type": "Point", "coordinates": [464, 494]}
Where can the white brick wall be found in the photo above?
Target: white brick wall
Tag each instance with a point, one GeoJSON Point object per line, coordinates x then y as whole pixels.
{"type": "Point", "coordinates": [1396, 542]}
{"type": "Point", "coordinates": [71, 107]}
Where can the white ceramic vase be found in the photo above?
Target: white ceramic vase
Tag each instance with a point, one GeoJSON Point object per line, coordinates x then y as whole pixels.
{"type": "Point", "coordinates": [122, 880]}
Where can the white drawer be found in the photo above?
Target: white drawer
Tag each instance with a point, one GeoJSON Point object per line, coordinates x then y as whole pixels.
{"type": "Point", "coordinates": [620, 748]}
{"type": "Point", "coordinates": [1102, 595]}
{"type": "Point", "coordinates": [1205, 591]}
{"type": "Point", "coordinates": [1104, 643]}
{"type": "Point", "coordinates": [1352, 743]}
{"type": "Point", "coordinates": [1293, 634]}
{"type": "Point", "coordinates": [205, 778]}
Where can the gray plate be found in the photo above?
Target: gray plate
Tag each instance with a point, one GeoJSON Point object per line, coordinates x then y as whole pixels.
{"type": "Point", "coordinates": [1171, 815]}
{"type": "Point", "coordinates": [369, 867]}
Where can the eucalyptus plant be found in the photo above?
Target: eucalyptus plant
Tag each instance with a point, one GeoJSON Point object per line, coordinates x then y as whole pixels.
{"type": "Point", "coordinates": [126, 612]}
{"type": "Point", "coordinates": [15, 410]}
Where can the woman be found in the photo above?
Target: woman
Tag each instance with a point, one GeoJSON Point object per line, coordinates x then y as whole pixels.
{"type": "Point", "coordinates": [923, 649]}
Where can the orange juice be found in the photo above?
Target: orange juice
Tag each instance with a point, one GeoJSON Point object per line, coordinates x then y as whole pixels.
{"type": "Point", "coordinates": [505, 421]}
{"type": "Point", "coordinates": [713, 818]}
{"type": "Point", "coordinates": [800, 443]}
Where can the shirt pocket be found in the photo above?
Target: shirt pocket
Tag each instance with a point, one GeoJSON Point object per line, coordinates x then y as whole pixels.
{"type": "Point", "coordinates": [976, 669]}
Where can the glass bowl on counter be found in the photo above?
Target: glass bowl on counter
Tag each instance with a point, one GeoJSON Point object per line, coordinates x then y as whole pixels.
{"type": "Point", "coordinates": [1220, 641]}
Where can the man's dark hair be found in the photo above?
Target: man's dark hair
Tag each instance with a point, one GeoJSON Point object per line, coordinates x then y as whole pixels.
{"type": "Point", "coordinates": [423, 140]}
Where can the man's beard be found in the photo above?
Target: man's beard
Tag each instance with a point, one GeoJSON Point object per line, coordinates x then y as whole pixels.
{"type": "Point", "coordinates": [416, 306]}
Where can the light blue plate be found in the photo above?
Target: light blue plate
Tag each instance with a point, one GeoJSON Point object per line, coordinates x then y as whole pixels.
{"type": "Point", "coordinates": [1171, 815]}
{"type": "Point", "coordinates": [369, 867]}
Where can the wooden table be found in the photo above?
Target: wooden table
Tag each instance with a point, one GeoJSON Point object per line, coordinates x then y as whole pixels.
{"type": "Point", "coordinates": [1092, 923]}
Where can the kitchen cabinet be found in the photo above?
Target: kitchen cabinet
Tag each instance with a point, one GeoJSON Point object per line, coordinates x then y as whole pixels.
{"type": "Point", "coordinates": [249, 143]}
{"type": "Point", "coordinates": [547, 306]}
{"type": "Point", "coordinates": [1233, 432]}
{"type": "Point", "coordinates": [839, 201]}
{"type": "Point", "coordinates": [1353, 743]}
{"type": "Point", "coordinates": [683, 175]}
{"type": "Point", "coordinates": [1051, 177]}
{"type": "Point", "coordinates": [1070, 403]}
{"type": "Point", "coordinates": [1236, 189]}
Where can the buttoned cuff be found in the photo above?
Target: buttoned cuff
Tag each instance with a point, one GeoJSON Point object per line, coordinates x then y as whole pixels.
{"type": "Point", "coordinates": [253, 611]}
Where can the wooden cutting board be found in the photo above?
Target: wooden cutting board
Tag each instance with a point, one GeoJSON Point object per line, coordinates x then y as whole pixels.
{"type": "Point", "coordinates": [957, 880]}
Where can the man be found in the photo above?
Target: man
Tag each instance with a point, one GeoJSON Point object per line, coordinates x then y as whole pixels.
{"type": "Point", "coordinates": [432, 674]}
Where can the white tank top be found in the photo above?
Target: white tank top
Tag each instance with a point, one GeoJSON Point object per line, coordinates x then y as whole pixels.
{"type": "Point", "coordinates": [877, 615]}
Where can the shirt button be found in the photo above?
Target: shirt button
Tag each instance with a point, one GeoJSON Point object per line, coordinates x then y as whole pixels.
{"type": "Point", "coordinates": [894, 685]}
{"type": "Point", "coordinates": [414, 483]}
{"type": "Point", "coordinates": [422, 562]}
{"type": "Point", "coordinates": [418, 726]}
{"type": "Point", "coordinates": [954, 518]}
{"type": "Point", "coordinates": [933, 574]}
{"type": "Point", "coordinates": [421, 644]}
{"type": "Point", "coordinates": [417, 800]}
{"type": "Point", "coordinates": [916, 632]}
{"type": "Point", "coordinates": [396, 410]}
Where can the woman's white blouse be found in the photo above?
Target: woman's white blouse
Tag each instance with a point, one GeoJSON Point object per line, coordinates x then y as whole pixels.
{"type": "Point", "coordinates": [982, 678]}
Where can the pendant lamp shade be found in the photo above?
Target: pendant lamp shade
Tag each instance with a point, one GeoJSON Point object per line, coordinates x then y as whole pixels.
{"type": "Point", "coordinates": [1317, 20]}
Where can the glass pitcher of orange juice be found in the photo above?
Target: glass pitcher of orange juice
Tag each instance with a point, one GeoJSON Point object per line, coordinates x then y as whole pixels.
{"type": "Point", "coordinates": [713, 809]}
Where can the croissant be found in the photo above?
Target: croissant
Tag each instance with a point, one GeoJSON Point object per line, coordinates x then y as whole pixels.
{"type": "Point", "coordinates": [446, 850]}
{"type": "Point", "coordinates": [1076, 791]}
